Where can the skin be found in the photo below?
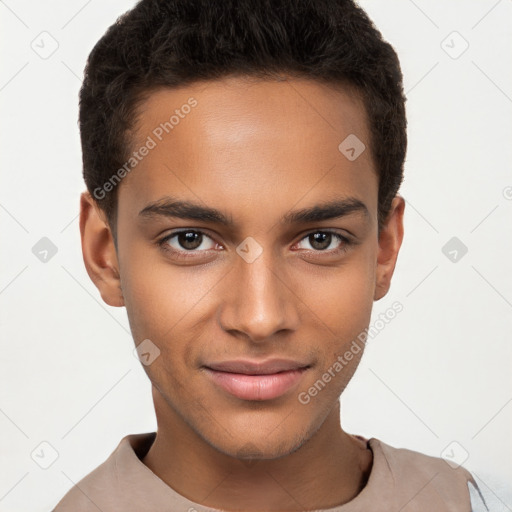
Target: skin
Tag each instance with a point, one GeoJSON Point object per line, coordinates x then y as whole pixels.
{"type": "Point", "coordinates": [256, 150]}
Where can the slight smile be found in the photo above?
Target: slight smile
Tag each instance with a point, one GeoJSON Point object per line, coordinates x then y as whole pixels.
{"type": "Point", "coordinates": [252, 380]}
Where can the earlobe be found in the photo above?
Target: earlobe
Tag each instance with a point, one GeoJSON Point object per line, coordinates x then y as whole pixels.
{"type": "Point", "coordinates": [390, 240]}
{"type": "Point", "coordinates": [99, 252]}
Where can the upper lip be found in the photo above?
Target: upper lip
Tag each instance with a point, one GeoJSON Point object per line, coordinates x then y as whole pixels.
{"type": "Point", "coordinates": [248, 367]}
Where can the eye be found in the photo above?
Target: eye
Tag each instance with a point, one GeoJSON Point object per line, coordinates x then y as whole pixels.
{"type": "Point", "coordinates": [191, 241]}
{"type": "Point", "coordinates": [326, 241]}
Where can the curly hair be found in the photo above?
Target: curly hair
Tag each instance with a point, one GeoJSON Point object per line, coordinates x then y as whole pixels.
{"type": "Point", "coordinates": [171, 43]}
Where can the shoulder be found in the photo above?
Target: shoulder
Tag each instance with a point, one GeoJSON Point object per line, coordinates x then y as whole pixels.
{"type": "Point", "coordinates": [114, 483]}
{"type": "Point", "coordinates": [420, 480]}
{"type": "Point", "coordinates": [85, 494]}
{"type": "Point", "coordinates": [403, 460]}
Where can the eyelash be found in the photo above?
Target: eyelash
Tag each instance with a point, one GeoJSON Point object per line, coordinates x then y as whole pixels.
{"type": "Point", "coordinates": [184, 254]}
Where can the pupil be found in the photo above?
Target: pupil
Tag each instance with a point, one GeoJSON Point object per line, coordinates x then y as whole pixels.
{"type": "Point", "coordinates": [190, 240]}
{"type": "Point", "coordinates": [323, 238]}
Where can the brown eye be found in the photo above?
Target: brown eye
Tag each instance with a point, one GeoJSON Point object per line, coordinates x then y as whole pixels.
{"type": "Point", "coordinates": [320, 241]}
{"type": "Point", "coordinates": [327, 241]}
{"type": "Point", "coordinates": [188, 241]}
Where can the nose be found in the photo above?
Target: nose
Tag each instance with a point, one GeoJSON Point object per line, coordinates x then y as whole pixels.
{"type": "Point", "coordinates": [258, 300]}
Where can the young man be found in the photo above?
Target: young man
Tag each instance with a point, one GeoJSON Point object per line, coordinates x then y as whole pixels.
{"type": "Point", "coordinates": [242, 161]}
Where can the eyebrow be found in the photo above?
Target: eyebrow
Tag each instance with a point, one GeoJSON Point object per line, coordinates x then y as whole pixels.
{"type": "Point", "coordinates": [177, 208]}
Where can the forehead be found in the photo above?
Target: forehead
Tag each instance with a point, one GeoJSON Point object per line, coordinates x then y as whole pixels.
{"type": "Point", "coordinates": [250, 145]}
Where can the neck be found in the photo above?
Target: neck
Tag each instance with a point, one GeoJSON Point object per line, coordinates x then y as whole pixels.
{"type": "Point", "coordinates": [329, 469]}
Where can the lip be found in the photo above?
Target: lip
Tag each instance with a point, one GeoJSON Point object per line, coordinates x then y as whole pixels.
{"type": "Point", "coordinates": [253, 380]}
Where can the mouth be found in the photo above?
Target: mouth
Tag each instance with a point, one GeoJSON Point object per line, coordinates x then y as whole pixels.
{"type": "Point", "coordinates": [252, 380]}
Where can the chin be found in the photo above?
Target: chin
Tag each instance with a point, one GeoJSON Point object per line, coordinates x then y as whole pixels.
{"type": "Point", "coordinates": [264, 443]}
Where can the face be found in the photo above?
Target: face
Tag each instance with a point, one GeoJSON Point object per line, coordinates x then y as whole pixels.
{"type": "Point", "coordinates": [247, 246]}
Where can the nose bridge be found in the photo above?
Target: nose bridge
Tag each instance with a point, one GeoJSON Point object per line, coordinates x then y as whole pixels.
{"type": "Point", "coordinates": [260, 303]}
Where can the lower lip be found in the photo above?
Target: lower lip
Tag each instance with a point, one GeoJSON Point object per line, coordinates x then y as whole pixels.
{"type": "Point", "coordinates": [256, 387]}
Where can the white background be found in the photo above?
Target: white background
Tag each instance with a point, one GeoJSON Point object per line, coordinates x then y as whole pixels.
{"type": "Point", "coordinates": [438, 373]}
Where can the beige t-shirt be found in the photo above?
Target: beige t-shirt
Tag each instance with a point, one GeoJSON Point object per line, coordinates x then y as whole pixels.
{"type": "Point", "coordinates": [400, 480]}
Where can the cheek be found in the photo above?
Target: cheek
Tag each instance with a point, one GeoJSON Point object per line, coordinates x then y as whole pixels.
{"type": "Point", "coordinates": [170, 306]}
{"type": "Point", "coordinates": [158, 296]}
{"type": "Point", "coordinates": [343, 309]}
{"type": "Point", "coordinates": [342, 298]}
{"type": "Point", "coordinates": [157, 308]}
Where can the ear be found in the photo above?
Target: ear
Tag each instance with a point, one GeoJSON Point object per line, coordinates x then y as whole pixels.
{"type": "Point", "coordinates": [390, 240]}
{"type": "Point", "coordinates": [99, 252]}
